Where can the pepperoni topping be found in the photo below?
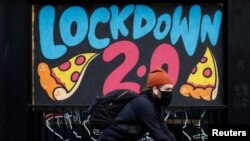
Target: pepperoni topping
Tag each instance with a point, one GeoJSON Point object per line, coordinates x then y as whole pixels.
{"type": "Point", "coordinates": [207, 72]}
{"type": "Point", "coordinates": [80, 60]}
{"type": "Point", "coordinates": [75, 76]}
{"type": "Point", "coordinates": [194, 70]}
{"type": "Point", "coordinates": [65, 66]}
{"type": "Point", "coordinates": [203, 59]}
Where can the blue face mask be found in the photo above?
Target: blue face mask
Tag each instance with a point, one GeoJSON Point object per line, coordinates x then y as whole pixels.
{"type": "Point", "coordinates": [166, 97]}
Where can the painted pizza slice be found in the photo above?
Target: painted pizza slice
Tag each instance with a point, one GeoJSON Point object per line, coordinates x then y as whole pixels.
{"type": "Point", "coordinates": [203, 81]}
{"type": "Point", "coordinates": [62, 81]}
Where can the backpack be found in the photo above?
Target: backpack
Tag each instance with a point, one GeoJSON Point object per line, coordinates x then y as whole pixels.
{"type": "Point", "coordinates": [103, 111]}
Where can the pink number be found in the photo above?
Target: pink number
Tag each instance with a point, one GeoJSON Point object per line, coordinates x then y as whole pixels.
{"type": "Point", "coordinates": [115, 80]}
{"type": "Point", "coordinates": [166, 54]}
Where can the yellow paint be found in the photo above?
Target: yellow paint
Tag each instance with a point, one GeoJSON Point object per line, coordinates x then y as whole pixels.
{"type": "Point", "coordinates": [65, 76]}
{"type": "Point", "coordinates": [198, 77]}
{"type": "Point", "coordinates": [200, 87]}
{"type": "Point", "coordinates": [57, 91]}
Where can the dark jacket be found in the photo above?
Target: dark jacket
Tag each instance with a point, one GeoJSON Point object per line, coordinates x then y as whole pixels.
{"type": "Point", "coordinates": [139, 116]}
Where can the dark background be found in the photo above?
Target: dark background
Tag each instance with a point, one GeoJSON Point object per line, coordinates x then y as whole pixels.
{"type": "Point", "coordinates": [92, 84]}
{"type": "Point", "coordinates": [15, 64]}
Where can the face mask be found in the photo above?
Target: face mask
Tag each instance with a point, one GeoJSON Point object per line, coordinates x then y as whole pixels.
{"type": "Point", "coordinates": [166, 97]}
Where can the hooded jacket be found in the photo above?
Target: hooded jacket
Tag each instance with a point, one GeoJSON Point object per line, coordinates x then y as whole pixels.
{"type": "Point", "coordinates": [142, 114]}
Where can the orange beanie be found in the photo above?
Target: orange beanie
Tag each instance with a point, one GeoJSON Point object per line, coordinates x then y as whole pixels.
{"type": "Point", "coordinates": [158, 77]}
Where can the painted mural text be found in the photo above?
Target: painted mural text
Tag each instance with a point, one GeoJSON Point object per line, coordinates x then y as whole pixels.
{"type": "Point", "coordinates": [164, 54]}
{"type": "Point", "coordinates": [197, 27]}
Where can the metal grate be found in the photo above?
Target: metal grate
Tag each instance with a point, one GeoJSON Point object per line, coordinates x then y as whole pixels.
{"type": "Point", "coordinates": [70, 123]}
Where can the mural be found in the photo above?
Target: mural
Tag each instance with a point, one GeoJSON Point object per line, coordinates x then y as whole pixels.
{"type": "Point", "coordinates": [84, 51]}
{"type": "Point", "coordinates": [62, 81]}
{"type": "Point", "coordinates": [203, 80]}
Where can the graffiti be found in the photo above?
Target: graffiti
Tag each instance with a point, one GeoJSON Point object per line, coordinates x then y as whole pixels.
{"type": "Point", "coordinates": [57, 119]}
{"type": "Point", "coordinates": [200, 135]}
{"type": "Point", "coordinates": [203, 81]}
{"type": "Point", "coordinates": [159, 58]}
{"type": "Point", "coordinates": [197, 133]}
{"type": "Point", "coordinates": [94, 133]}
{"type": "Point", "coordinates": [190, 30]}
{"type": "Point", "coordinates": [66, 126]}
{"type": "Point", "coordinates": [62, 81]}
{"type": "Point", "coordinates": [82, 52]}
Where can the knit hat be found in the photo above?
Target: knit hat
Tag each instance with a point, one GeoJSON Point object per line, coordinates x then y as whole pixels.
{"type": "Point", "coordinates": [158, 77]}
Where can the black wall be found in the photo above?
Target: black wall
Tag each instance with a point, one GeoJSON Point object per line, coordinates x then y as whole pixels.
{"type": "Point", "coordinates": [1, 71]}
{"type": "Point", "coordinates": [238, 62]}
{"type": "Point", "coordinates": [15, 68]}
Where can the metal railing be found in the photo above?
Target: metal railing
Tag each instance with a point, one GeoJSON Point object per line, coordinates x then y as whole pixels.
{"type": "Point", "coordinates": [70, 123]}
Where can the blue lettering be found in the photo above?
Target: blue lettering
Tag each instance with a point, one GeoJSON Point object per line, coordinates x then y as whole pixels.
{"type": "Point", "coordinates": [157, 33]}
{"type": "Point", "coordinates": [143, 13]}
{"type": "Point", "coordinates": [70, 15]}
{"type": "Point", "coordinates": [189, 33]}
{"type": "Point", "coordinates": [117, 20]}
{"type": "Point", "coordinates": [46, 25]}
{"type": "Point", "coordinates": [211, 29]}
{"type": "Point", "coordinates": [99, 15]}
{"type": "Point", "coordinates": [144, 22]}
